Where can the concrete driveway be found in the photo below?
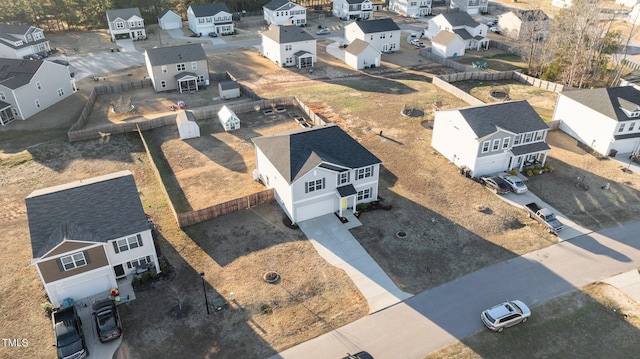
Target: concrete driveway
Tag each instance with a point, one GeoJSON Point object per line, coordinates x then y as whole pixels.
{"type": "Point", "coordinates": [333, 241]}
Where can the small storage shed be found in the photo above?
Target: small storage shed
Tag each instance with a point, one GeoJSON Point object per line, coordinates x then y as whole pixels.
{"type": "Point", "coordinates": [228, 119]}
{"type": "Point", "coordinates": [361, 55]}
{"type": "Point", "coordinates": [447, 44]}
{"type": "Point", "coordinates": [229, 89]}
{"type": "Point", "coordinates": [187, 125]}
{"type": "Point", "coordinates": [167, 19]}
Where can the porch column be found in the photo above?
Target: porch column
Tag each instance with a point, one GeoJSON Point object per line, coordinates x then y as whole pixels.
{"type": "Point", "coordinates": [521, 164]}
{"type": "Point", "coordinates": [545, 157]}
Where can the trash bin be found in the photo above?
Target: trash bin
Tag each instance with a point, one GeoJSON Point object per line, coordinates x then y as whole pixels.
{"type": "Point", "coordinates": [613, 153]}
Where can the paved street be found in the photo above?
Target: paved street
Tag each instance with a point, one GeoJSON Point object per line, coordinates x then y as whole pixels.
{"type": "Point", "coordinates": [445, 314]}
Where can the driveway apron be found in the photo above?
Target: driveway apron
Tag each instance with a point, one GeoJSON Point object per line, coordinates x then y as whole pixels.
{"type": "Point", "coordinates": [333, 241]}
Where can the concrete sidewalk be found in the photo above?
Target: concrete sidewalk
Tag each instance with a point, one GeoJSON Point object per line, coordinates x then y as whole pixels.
{"type": "Point", "coordinates": [628, 282]}
{"type": "Point", "coordinates": [336, 245]}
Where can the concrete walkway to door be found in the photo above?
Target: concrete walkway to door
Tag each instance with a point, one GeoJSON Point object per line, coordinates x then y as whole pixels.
{"type": "Point", "coordinates": [333, 241]}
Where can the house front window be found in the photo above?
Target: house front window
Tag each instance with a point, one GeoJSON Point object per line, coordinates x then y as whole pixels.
{"type": "Point", "coordinates": [528, 137]}
{"type": "Point", "coordinates": [120, 25]}
{"type": "Point", "coordinates": [60, 92]}
{"type": "Point", "coordinates": [38, 103]}
{"type": "Point", "coordinates": [539, 135]}
{"type": "Point", "coordinates": [343, 177]}
{"type": "Point", "coordinates": [194, 65]}
{"type": "Point", "coordinates": [200, 21]}
{"type": "Point", "coordinates": [163, 84]}
{"type": "Point", "coordinates": [287, 47]}
{"type": "Point", "coordinates": [364, 194]}
{"type": "Point", "coordinates": [73, 261]}
{"type": "Point", "coordinates": [39, 85]}
{"type": "Point", "coordinates": [125, 244]}
{"type": "Point", "coordinates": [314, 185]}
{"type": "Point", "coordinates": [164, 69]}
{"type": "Point", "coordinates": [485, 146]}
{"type": "Point", "coordinates": [181, 67]}
{"type": "Point", "coordinates": [517, 140]}
{"type": "Point", "coordinates": [496, 145]}
{"type": "Point", "coordinates": [505, 143]}
{"type": "Point", "coordinates": [621, 127]}
{"type": "Point", "coordinates": [631, 126]}
{"type": "Point", "coordinates": [365, 172]}
{"type": "Point", "coordinates": [139, 262]}
{"type": "Point", "coordinates": [200, 78]}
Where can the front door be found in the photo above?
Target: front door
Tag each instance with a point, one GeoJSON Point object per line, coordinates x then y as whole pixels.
{"type": "Point", "coordinates": [119, 270]}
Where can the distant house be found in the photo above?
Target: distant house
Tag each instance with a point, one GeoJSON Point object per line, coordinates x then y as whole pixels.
{"type": "Point", "coordinates": [491, 138]}
{"type": "Point", "coordinates": [383, 34]}
{"type": "Point", "coordinates": [88, 233]}
{"type": "Point", "coordinates": [284, 12]}
{"type": "Point", "coordinates": [182, 67]}
{"type": "Point", "coordinates": [187, 125]}
{"type": "Point", "coordinates": [473, 33]}
{"type": "Point", "coordinates": [228, 89]}
{"type": "Point", "coordinates": [289, 46]}
{"type": "Point", "coordinates": [30, 86]}
{"type": "Point", "coordinates": [208, 18]}
{"type": "Point", "coordinates": [471, 7]}
{"type": "Point", "coordinates": [228, 119]}
{"type": "Point", "coordinates": [563, 4]}
{"type": "Point", "coordinates": [524, 24]}
{"type": "Point", "coordinates": [448, 44]}
{"type": "Point", "coordinates": [21, 41]}
{"type": "Point", "coordinates": [126, 24]}
{"type": "Point", "coordinates": [167, 20]}
{"type": "Point", "coordinates": [361, 54]}
{"type": "Point", "coordinates": [605, 119]}
{"type": "Point", "coordinates": [414, 9]}
{"type": "Point", "coordinates": [317, 171]}
{"type": "Point", "coordinates": [353, 9]}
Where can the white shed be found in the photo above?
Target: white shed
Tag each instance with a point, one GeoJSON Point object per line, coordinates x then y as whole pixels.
{"type": "Point", "coordinates": [228, 119]}
{"type": "Point", "coordinates": [361, 55]}
{"type": "Point", "coordinates": [228, 89]}
{"type": "Point", "coordinates": [187, 125]}
{"type": "Point", "coordinates": [447, 44]}
{"type": "Point", "coordinates": [167, 19]}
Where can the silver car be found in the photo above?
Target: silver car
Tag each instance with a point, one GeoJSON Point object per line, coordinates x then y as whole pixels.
{"type": "Point", "coordinates": [517, 186]}
{"type": "Point", "coordinates": [505, 315]}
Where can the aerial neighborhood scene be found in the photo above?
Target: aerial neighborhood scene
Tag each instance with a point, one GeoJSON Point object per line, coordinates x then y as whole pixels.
{"type": "Point", "coordinates": [348, 179]}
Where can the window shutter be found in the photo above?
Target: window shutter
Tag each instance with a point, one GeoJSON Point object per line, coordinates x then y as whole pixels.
{"type": "Point", "coordinates": [306, 187]}
{"type": "Point", "coordinates": [115, 246]}
{"type": "Point", "coordinates": [139, 239]}
{"type": "Point", "coordinates": [322, 182]}
{"type": "Point", "coordinates": [60, 266]}
{"type": "Point", "coordinates": [86, 256]}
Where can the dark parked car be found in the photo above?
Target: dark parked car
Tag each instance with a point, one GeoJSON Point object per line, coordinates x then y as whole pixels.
{"type": "Point", "coordinates": [496, 184]}
{"type": "Point", "coordinates": [213, 34]}
{"type": "Point", "coordinates": [67, 327]}
{"type": "Point", "coordinates": [107, 320]}
{"type": "Point", "coordinates": [360, 355]}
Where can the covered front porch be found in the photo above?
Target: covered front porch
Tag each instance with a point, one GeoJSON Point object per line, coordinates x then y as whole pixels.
{"type": "Point", "coordinates": [303, 59]}
{"type": "Point", "coordinates": [528, 155]}
{"type": "Point", "coordinates": [6, 114]}
{"type": "Point", "coordinates": [348, 197]}
{"type": "Point", "coordinates": [187, 82]}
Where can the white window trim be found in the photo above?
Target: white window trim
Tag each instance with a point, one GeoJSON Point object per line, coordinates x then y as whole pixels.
{"type": "Point", "coordinates": [128, 243]}
{"type": "Point", "coordinates": [77, 260]}
{"type": "Point", "coordinates": [486, 145]}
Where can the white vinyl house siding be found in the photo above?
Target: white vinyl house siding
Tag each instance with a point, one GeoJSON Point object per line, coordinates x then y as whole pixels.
{"type": "Point", "coordinates": [123, 256]}
{"type": "Point", "coordinates": [383, 41]}
{"type": "Point", "coordinates": [450, 125]}
{"type": "Point", "coordinates": [271, 178]}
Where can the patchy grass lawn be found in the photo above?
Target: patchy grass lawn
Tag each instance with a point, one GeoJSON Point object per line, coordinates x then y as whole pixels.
{"type": "Point", "coordinates": [597, 321]}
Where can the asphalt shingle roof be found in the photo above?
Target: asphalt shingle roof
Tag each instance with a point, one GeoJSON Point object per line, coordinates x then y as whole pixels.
{"type": "Point", "coordinates": [204, 10]}
{"type": "Point", "coordinates": [460, 19]}
{"type": "Point", "coordinates": [16, 73]}
{"type": "Point", "coordinates": [124, 14]}
{"type": "Point", "coordinates": [295, 153]}
{"type": "Point", "coordinates": [356, 47]}
{"type": "Point", "coordinates": [164, 12]}
{"type": "Point", "coordinates": [608, 101]}
{"type": "Point", "coordinates": [379, 25]}
{"type": "Point", "coordinates": [97, 209]}
{"type": "Point", "coordinates": [444, 37]}
{"type": "Point", "coordinates": [287, 34]}
{"type": "Point", "coordinates": [280, 5]}
{"type": "Point", "coordinates": [512, 116]}
{"type": "Point", "coordinates": [176, 54]}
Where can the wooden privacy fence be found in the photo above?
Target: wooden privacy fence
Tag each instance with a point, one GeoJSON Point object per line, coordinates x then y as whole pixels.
{"type": "Point", "coordinates": [201, 215]}
{"type": "Point", "coordinates": [441, 60]}
{"type": "Point", "coordinates": [464, 96]}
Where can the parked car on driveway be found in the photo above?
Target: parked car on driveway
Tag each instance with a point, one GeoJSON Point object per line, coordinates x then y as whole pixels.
{"type": "Point", "coordinates": [67, 327]}
{"type": "Point", "coordinates": [107, 320]}
{"type": "Point", "coordinates": [517, 186]}
{"type": "Point", "coordinates": [505, 315]}
{"type": "Point", "coordinates": [360, 355]}
{"type": "Point", "coordinates": [323, 32]}
{"type": "Point", "coordinates": [496, 184]}
{"type": "Point", "coordinates": [544, 216]}
{"type": "Point", "coordinates": [213, 34]}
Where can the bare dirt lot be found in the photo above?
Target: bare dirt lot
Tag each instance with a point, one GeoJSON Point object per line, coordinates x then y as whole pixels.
{"type": "Point", "coordinates": [453, 225]}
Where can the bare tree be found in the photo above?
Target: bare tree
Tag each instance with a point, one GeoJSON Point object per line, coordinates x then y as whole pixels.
{"type": "Point", "coordinates": [178, 295]}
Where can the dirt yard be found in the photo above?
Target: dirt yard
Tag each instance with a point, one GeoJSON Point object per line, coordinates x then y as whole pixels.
{"type": "Point", "coordinates": [453, 225]}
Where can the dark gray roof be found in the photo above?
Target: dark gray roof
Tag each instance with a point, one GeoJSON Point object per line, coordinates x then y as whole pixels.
{"type": "Point", "coordinates": [379, 25]}
{"type": "Point", "coordinates": [287, 34]}
{"type": "Point", "coordinates": [531, 15]}
{"type": "Point", "coordinates": [608, 101]}
{"type": "Point", "coordinates": [164, 12]}
{"type": "Point", "coordinates": [185, 116]}
{"type": "Point", "coordinates": [97, 209]}
{"type": "Point", "coordinates": [627, 136]}
{"type": "Point", "coordinates": [229, 85]}
{"type": "Point", "coordinates": [464, 34]}
{"type": "Point", "coordinates": [347, 190]}
{"type": "Point", "coordinates": [124, 14]}
{"type": "Point", "coordinates": [4, 105]}
{"type": "Point", "coordinates": [512, 116]}
{"type": "Point", "coordinates": [204, 10]}
{"type": "Point", "coordinates": [280, 5]}
{"type": "Point", "coordinates": [176, 54]}
{"type": "Point", "coordinates": [184, 74]}
{"type": "Point", "coordinates": [16, 73]}
{"type": "Point", "coordinates": [295, 153]}
{"type": "Point", "coordinates": [353, 2]}
{"type": "Point", "coordinates": [534, 147]}
{"type": "Point", "coordinates": [7, 35]}
{"type": "Point", "coordinates": [460, 19]}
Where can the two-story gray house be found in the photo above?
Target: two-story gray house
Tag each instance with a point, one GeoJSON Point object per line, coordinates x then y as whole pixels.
{"type": "Point", "coordinates": [182, 67]}
{"type": "Point", "coordinates": [30, 86]}
{"type": "Point", "coordinates": [21, 41]}
{"type": "Point", "coordinates": [210, 18]}
{"type": "Point", "coordinates": [491, 138]}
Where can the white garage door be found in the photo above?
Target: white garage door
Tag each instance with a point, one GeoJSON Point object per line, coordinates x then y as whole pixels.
{"type": "Point", "coordinates": [315, 210]}
{"type": "Point", "coordinates": [168, 25]}
{"type": "Point", "coordinates": [489, 165]}
{"type": "Point", "coordinates": [89, 285]}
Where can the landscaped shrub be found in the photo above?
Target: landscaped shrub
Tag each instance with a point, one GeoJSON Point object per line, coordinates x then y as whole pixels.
{"type": "Point", "coordinates": [529, 172]}
{"type": "Point", "coordinates": [513, 172]}
{"type": "Point", "coordinates": [537, 171]}
{"type": "Point", "coordinates": [48, 308]}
